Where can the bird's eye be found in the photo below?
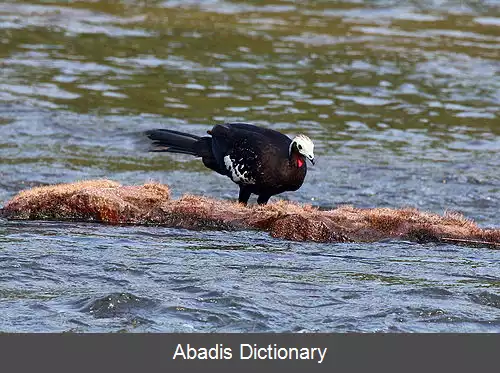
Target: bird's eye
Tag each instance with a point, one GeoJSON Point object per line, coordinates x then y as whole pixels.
{"type": "Point", "coordinates": [299, 147]}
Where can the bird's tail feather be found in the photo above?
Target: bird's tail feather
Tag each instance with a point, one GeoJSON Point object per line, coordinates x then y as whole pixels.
{"type": "Point", "coordinates": [174, 141]}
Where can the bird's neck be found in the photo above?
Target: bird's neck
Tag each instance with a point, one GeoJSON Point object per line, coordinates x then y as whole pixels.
{"type": "Point", "coordinates": [297, 159]}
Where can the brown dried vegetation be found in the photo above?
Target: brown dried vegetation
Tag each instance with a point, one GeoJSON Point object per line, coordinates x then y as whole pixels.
{"type": "Point", "coordinates": [108, 202]}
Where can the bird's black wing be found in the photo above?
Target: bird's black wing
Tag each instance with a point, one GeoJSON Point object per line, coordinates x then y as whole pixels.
{"type": "Point", "coordinates": [243, 161]}
{"type": "Point", "coordinates": [238, 151]}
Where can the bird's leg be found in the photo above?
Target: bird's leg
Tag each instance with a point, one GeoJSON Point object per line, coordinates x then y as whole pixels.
{"type": "Point", "coordinates": [263, 198]}
{"type": "Point", "coordinates": [244, 195]}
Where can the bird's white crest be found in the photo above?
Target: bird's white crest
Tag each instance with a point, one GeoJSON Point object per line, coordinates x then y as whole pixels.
{"type": "Point", "coordinates": [305, 146]}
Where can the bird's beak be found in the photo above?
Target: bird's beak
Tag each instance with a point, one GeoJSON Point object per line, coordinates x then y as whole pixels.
{"type": "Point", "coordinates": [312, 160]}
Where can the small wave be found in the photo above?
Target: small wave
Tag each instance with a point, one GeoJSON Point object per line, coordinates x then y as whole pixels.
{"type": "Point", "coordinates": [115, 305]}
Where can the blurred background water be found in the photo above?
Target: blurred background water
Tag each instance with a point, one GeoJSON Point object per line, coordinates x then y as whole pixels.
{"type": "Point", "coordinates": [402, 99]}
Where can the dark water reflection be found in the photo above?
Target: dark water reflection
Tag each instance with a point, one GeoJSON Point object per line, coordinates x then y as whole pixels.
{"type": "Point", "coordinates": [402, 99]}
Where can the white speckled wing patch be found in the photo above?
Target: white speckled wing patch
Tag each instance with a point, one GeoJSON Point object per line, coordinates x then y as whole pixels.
{"type": "Point", "coordinates": [239, 171]}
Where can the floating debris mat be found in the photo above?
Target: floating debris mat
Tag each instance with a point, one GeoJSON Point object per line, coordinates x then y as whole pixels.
{"type": "Point", "coordinates": [106, 201]}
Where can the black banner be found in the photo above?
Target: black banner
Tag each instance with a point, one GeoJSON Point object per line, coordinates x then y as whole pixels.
{"type": "Point", "coordinates": [270, 352]}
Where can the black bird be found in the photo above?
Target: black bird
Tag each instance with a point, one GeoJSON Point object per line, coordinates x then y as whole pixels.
{"type": "Point", "coordinates": [261, 161]}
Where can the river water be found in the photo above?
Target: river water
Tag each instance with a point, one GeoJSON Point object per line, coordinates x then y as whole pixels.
{"type": "Point", "coordinates": [402, 99]}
